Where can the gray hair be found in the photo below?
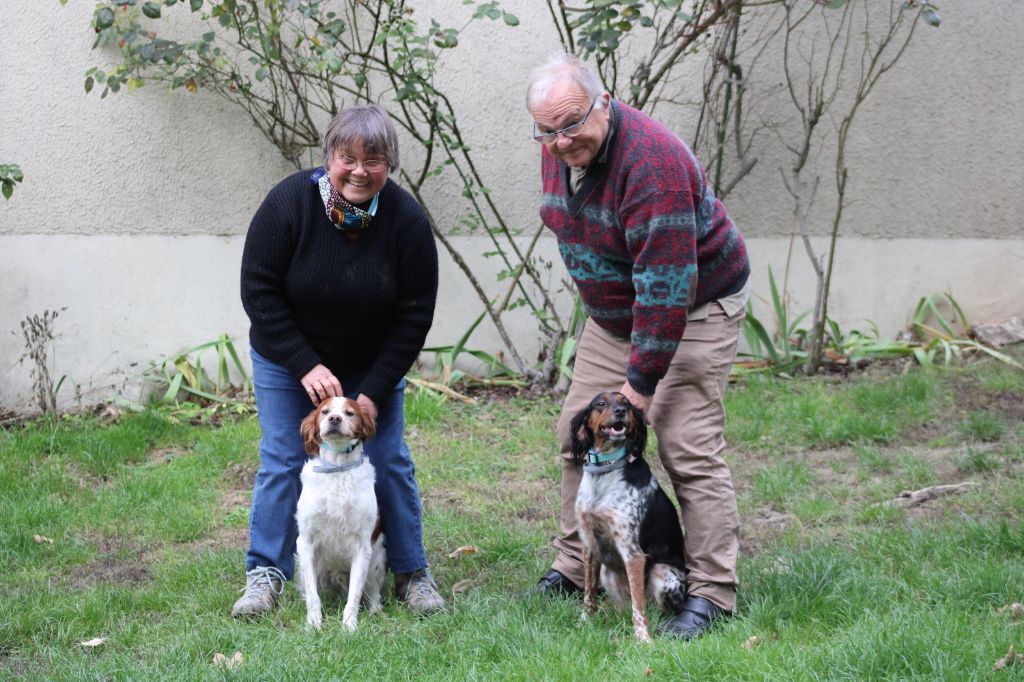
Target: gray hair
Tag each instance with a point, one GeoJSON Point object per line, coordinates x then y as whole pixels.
{"type": "Point", "coordinates": [366, 124]}
{"type": "Point", "coordinates": [559, 67]}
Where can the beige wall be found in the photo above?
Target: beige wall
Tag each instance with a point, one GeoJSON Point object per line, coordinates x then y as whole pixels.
{"type": "Point", "coordinates": [134, 206]}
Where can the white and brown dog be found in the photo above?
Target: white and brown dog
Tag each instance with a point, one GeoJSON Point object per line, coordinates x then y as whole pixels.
{"type": "Point", "coordinates": [340, 546]}
{"type": "Point", "coordinates": [632, 538]}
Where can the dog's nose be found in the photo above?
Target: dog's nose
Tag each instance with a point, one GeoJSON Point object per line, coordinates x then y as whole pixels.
{"type": "Point", "coordinates": [334, 418]}
{"type": "Point", "coordinates": [619, 411]}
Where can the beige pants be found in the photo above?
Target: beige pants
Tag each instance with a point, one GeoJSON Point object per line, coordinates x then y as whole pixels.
{"type": "Point", "coordinates": [688, 416]}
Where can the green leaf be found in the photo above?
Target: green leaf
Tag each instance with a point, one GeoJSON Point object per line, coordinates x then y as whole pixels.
{"type": "Point", "coordinates": [104, 18]}
{"type": "Point", "coordinates": [196, 5]}
{"type": "Point", "coordinates": [151, 10]}
{"type": "Point", "coordinates": [7, 187]}
{"type": "Point", "coordinates": [89, 82]}
{"type": "Point", "coordinates": [510, 19]}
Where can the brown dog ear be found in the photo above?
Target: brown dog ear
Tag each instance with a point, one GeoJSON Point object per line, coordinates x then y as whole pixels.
{"type": "Point", "coordinates": [310, 430]}
{"type": "Point", "coordinates": [367, 425]}
{"type": "Point", "coordinates": [581, 437]}
{"type": "Point", "coordinates": [636, 436]}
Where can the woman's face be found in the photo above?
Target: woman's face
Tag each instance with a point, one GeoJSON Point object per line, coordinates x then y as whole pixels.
{"type": "Point", "coordinates": [350, 175]}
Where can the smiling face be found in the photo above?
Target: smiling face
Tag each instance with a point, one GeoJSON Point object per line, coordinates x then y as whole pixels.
{"type": "Point", "coordinates": [565, 104]}
{"type": "Point", "coordinates": [351, 178]}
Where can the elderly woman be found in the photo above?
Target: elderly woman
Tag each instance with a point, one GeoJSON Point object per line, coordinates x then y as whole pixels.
{"type": "Point", "coordinates": [339, 280]}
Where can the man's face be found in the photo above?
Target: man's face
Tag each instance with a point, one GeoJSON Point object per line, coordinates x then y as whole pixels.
{"type": "Point", "coordinates": [565, 104]}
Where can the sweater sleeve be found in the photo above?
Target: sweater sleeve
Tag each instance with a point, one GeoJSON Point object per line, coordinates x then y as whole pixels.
{"type": "Point", "coordinates": [661, 234]}
{"type": "Point", "coordinates": [413, 312]}
{"type": "Point", "coordinates": [269, 247]}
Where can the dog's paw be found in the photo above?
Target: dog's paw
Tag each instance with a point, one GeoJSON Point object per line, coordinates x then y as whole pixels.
{"type": "Point", "coordinates": [350, 619]}
{"type": "Point", "coordinates": [314, 619]}
{"type": "Point", "coordinates": [584, 616]}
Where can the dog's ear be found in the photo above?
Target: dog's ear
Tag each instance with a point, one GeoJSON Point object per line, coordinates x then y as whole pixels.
{"type": "Point", "coordinates": [636, 437]}
{"type": "Point", "coordinates": [310, 430]}
{"type": "Point", "coordinates": [366, 426]}
{"type": "Point", "coordinates": [581, 436]}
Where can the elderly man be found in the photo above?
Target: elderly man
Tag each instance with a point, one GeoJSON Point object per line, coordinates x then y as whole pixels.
{"type": "Point", "coordinates": [662, 272]}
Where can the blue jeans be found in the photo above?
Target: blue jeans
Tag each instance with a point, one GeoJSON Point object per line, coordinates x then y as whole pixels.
{"type": "Point", "coordinates": [282, 403]}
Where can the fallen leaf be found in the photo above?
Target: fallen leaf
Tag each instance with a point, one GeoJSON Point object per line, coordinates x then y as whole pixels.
{"type": "Point", "coordinates": [465, 549]}
{"type": "Point", "coordinates": [40, 539]}
{"type": "Point", "coordinates": [222, 660]}
{"type": "Point", "coordinates": [1011, 658]}
{"type": "Point", "coordinates": [648, 672]}
{"type": "Point", "coordinates": [751, 643]}
{"type": "Point", "coordinates": [94, 642]}
{"type": "Point", "coordinates": [462, 586]}
{"type": "Point", "coordinates": [1015, 611]}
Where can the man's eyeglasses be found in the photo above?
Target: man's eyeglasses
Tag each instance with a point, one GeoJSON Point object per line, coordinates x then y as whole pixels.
{"type": "Point", "coordinates": [568, 131]}
{"type": "Point", "coordinates": [370, 165]}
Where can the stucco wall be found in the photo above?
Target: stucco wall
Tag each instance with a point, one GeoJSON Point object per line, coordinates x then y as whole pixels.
{"type": "Point", "coordinates": [134, 206]}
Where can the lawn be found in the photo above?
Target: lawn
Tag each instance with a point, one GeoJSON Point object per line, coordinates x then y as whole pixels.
{"type": "Point", "coordinates": [131, 528]}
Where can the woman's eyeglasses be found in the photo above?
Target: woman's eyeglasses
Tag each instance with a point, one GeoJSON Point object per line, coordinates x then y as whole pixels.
{"type": "Point", "coordinates": [369, 165]}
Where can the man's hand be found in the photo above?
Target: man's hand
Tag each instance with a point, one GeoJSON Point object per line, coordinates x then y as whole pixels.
{"type": "Point", "coordinates": [320, 383]}
{"type": "Point", "coordinates": [642, 402]}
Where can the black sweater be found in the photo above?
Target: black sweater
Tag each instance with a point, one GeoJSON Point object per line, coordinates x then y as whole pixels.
{"type": "Point", "coordinates": [313, 296]}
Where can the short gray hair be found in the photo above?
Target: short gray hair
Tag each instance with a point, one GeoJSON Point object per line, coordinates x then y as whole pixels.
{"type": "Point", "coordinates": [368, 125]}
{"type": "Point", "coordinates": [562, 66]}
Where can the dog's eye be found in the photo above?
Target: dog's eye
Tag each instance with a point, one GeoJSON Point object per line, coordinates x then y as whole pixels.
{"type": "Point", "coordinates": [599, 403]}
{"type": "Point", "coordinates": [350, 413]}
{"type": "Point", "coordinates": [324, 411]}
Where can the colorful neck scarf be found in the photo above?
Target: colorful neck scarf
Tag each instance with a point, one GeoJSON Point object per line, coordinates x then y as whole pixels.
{"type": "Point", "coordinates": [344, 215]}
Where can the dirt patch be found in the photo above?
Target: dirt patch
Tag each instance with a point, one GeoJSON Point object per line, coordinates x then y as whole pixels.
{"type": "Point", "coordinates": [119, 562]}
{"type": "Point", "coordinates": [971, 397]}
{"type": "Point", "coordinates": [223, 537]}
{"type": "Point", "coordinates": [239, 476]}
{"type": "Point", "coordinates": [165, 455]}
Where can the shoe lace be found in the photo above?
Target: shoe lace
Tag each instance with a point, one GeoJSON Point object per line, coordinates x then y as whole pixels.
{"type": "Point", "coordinates": [422, 585]}
{"type": "Point", "coordinates": [261, 579]}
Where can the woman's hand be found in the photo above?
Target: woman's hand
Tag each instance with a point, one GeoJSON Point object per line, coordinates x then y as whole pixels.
{"type": "Point", "coordinates": [320, 384]}
{"type": "Point", "coordinates": [369, 407]}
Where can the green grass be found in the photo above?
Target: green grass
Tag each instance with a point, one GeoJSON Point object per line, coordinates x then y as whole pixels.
{"type": "Point", "coordinates": [982, 426]}
{"type": "Point", "coordinates": [148, 521]}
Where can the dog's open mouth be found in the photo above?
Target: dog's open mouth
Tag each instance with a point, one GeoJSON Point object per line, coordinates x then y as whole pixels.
{"type": "Point", "coordinates": [614, 431]}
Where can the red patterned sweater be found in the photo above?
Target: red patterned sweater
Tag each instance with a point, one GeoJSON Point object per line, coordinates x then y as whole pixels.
{"type": "Point", "coordinates": [644, 238]}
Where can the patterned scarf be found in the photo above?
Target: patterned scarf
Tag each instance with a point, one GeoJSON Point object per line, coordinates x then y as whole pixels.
{"type": "Point", "coordinates": [348, 218]}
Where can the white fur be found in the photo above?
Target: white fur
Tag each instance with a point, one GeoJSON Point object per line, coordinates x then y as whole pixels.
{"type": "Point", "coordinates": [336, 515]}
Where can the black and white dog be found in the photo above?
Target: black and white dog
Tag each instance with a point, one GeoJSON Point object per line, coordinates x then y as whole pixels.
{"type": "Point", "coordinates": [632, 539]}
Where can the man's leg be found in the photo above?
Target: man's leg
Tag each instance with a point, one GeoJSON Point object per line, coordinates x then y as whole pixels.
{"type": "Point", "coordinates": [688, 415]}
{"type": "Point", "coordinates": [600, 366]}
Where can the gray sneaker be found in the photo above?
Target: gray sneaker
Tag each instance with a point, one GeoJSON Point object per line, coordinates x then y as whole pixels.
{"type": "Point", "coordinates": [419, 591]}
{"type": "Point", "coordinates": [263, 587]}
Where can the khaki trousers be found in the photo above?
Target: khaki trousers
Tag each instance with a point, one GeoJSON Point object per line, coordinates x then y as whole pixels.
{"type": "Point", "coordinates": [688, 416]}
